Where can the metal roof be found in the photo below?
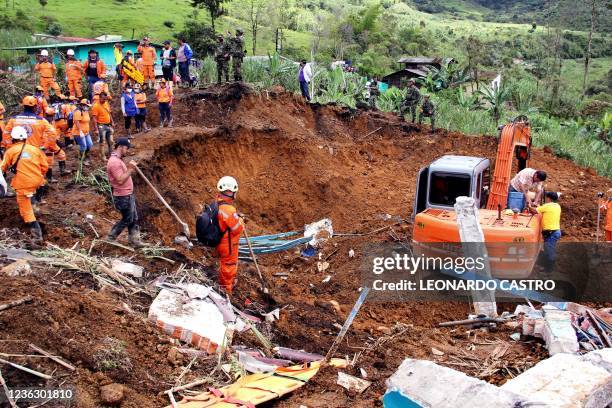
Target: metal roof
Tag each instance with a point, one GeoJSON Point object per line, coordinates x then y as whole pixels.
{"type": "Point", "coordinates": [420, 60]}
{"type": "Point", "coordinates": [74, 44]}
{"type": "Point", "coordinates": [418, 72]}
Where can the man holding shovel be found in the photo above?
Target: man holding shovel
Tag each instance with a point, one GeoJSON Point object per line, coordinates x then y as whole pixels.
{"type": "Point", "coordinates": [120, 177]}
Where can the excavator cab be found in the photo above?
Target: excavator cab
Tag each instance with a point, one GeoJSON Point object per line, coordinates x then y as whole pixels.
{"type": "Point", "coordinates": [450, 176]}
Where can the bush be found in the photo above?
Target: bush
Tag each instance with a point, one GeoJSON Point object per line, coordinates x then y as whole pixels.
{"type": "Point", "coordinates": [54, 28]}
{"type": "Point", "coordinates": [201, 37]}
{"type": "Point", "coordinates": [169, 24]}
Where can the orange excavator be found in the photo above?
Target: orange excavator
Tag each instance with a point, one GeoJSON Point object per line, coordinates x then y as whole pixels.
{"type": "Point", "coordinates": [440, 183]}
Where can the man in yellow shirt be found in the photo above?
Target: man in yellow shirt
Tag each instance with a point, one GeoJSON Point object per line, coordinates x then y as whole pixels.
{"type": "Point", "coordinates": [551, 227]}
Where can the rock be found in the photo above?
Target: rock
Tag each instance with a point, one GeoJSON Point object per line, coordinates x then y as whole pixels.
{"type": "Point", "coordinates": [112, 394]}
{"type": "Point", "coordinates": [17, 268]}
{"type": "Point", "coordinates": [174, 357]}
{"type": "Point", "coordinates": [336, 306]}
{"type": "Point", "coordinates": [436, 352]}
{"type": "Point", "coordinates": [384, 330]}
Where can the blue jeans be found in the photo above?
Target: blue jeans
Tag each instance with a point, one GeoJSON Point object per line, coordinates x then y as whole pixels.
{"type": "Point", "coordinates": [550, 247]}
{"type": "Point", "coordinates": [85, 143]}
{"type": "Point", "coordinates": [91, 80]}
{"type": "Point", "coordinates": [304, 89]}
{"type": "Point", "coordinates": [184, 72]}
{"type": "Point", "coordinates": [164, 112]}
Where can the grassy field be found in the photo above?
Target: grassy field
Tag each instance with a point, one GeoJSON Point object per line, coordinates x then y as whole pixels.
{"type": "Point", "coordinates": [573, 71]}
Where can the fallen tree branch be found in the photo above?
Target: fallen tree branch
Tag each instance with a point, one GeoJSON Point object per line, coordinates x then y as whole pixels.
{"type": "Point", "coordinates": [52, 357]}
{"type": "Point", "coordinates": [26, 369]}
{"type": "Point", "coordinates": [14, 303]}
{"type": "Point", "coordinates": [6, 392]}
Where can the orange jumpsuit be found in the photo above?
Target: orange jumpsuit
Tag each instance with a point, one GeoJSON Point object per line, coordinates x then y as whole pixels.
{"type": "Point", "coordinates": [74, 74]}
{"type": "Point", "coordinates": [52, 149]}
{"type": "Point", "coordinates": [607, 207]}
{"type": "Point", "coordinates": [2, 111]}
{"type": "Point", "coordinates": [46, 70]}
{"type": "Point", "coordinates": [41, 105]}
{"type": "Point", "coordinates": [30, 175]}
{"type": "Point", "coordinates": [42, 133]}
{"type": "Point", "coordinates": [100, 87]}
{"type": "Point", "coordinates": [232, 226]}
{"type": "Point", "coordinates": [149, 56]}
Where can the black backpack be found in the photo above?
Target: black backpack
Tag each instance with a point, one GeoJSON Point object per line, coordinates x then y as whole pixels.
{"type": "Point", "coordinates": [208, 230]}
{"type": "Point", "coordinates": [70, 119]}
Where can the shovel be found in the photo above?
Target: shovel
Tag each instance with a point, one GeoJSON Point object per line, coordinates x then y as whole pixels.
{"type": "Point", "coordinates": [184, 225]}
{"type": "Point", "coordinates": [264, 288]}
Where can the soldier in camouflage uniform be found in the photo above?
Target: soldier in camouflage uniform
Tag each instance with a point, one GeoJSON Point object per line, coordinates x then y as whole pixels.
{"type": "Point", "coordinates": [237, 51]}
{"type": "Point", "coordinates": [411, 101]}
{"type": "Point", "coordinates": [374, 93]}
{"type": "Point", "coordinates": [222, 56]}
{"type": "Point", "coordinates": [429, 111]}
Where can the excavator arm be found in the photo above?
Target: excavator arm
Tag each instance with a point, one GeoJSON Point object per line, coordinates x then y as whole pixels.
{"type": "Point", "coordinates": [514, 140]}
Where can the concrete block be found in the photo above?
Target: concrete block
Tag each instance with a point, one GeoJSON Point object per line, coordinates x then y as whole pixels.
{"type": "Point", "coordinates": [422, 383]}
{"type": "Point", "coordinates": [568, 380]}
{"type": "Point", "coordinates": [559, 335]}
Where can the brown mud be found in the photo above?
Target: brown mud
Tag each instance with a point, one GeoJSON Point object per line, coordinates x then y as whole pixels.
{"type": "Point", "coordinates": [296, 163]}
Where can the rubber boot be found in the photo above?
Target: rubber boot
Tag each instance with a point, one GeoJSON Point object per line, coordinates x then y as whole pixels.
{"type": "Point", "coordinates": [170, 123]}
{"type": "Point", "coordinates": [113, 234]}
{"type": "Point", "coordinates": [50, 178]}
{"type": "Point", "coordinates": [62, 167]}
{"type": "Point", "coordinates": [86, 161]}
{"type": "Point", "coordinates": [134, 239]}
{"type": "Point", "coordinates": [36, 231]}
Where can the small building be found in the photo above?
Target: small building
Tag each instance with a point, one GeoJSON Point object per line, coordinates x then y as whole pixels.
{"type": "Point", "coordinates": [81, 50]}
{"type": "Point", "coordinates": [414, 67]}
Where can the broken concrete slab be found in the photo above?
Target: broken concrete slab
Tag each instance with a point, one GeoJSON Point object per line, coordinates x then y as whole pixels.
{"type": "Point", "coordinates": [352, 383]}
{"type": "Point", "coordinates": [422, 383]}
{"type": "Point", "coordinates": [20, 267]}
{"type": "Point", "coordinates": [568, 380]}
{"type": "Point", "coordinates": [126, 268]}
{"type": "Point", "coordinates": [558, 333]}
{"type": "Point", "coordinates": [201, 322]}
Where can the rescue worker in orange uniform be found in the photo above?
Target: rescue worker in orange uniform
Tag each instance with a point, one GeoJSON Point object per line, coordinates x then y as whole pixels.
{"type": "Point", "coordinates": [2, 112]}
{"type": "Point", "coordinates": [74, 74]}
{"type": "Point", "coordinates": [101, 86]}
{"type": "Point", "coordinates": [232, 226]}
{"type": "Point", "coordinates": [149, 56]}
{"type": "Point", "coordinates": [165, 97]}
{"type": "Point", "coordinates": [29, 165]}
{"type": "Point", "coordinates": [41, 101]}
{"type": "Point", "coordinates": [53, 148]}
{"type": "Point", "coordinates": [47, 70]}
{"type": "Point", "coordinates": [605, 204]}
{"type": "Point", "coordinates": [94, 68]}
{"type": "Point", "coordinates": [40, 131]}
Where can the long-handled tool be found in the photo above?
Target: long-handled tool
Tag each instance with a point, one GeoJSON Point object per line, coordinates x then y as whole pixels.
{"type": "Point", "coordinates": [264, 288]}
{"type": "Point", "coordinates": [184, 225]}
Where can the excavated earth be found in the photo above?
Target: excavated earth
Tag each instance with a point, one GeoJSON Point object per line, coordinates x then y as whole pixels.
{"type": "Point", "coordinates": [296, 163]}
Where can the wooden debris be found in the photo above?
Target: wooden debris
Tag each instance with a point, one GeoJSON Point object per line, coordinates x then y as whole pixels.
{"type": "Point", "coordinates": [26, 369]}
{"type": "Point", "coordinates": [52, 357]}
{"type": "Point", "coordinates": [6, 392]}
{"type": "Point", "coordinates": [600, 331]}
{"type": "Point", "coordinates": [17, 302]}
{"type": "Point", "coordinates": [352, 383]}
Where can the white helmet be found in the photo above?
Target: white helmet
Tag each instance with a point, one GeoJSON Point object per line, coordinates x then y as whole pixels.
{"type": "Point", "coordinates": [44, 53]}
{"type": "Point", "coordinates": [70, 52]}
{"type": "Point", "coordinates": [19, 133]}
{"type": "Point", "coordinates": [227, 183]}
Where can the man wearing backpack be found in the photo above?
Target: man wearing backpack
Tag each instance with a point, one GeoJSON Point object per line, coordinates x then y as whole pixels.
{"type": "Point", "coordinates": [231, 226]}
{"type": "Point", "coordinates": [29, 166]}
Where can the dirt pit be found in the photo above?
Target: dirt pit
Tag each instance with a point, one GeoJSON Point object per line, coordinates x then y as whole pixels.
{"type": "Point", "coordinates": [296, 163]}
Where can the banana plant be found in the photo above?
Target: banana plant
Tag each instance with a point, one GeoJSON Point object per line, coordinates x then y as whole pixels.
{"type": "Point", "coordinates": [467, 101]}
{"type": "Point", "coordinates": [495, 96]}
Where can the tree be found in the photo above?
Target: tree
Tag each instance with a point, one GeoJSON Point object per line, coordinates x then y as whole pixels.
{"type": "Point", "coordinates": [252, 11]}
{"type": "Point", "coordinates": [43, 3]}
{"type": "Point", "coordinates": [200, 36]}
{"type": "Point", "coordinates": [214, 7]}
{"type": "Point", "coordinates": [587, 55]}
